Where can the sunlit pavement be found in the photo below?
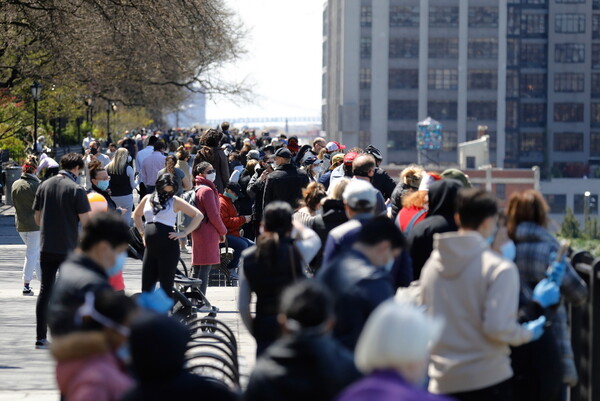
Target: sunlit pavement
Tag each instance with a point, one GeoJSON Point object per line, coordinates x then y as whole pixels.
{"type": "Point", "coordinates": [27, 373]}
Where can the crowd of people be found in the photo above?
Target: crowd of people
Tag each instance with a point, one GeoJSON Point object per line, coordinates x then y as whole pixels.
{"type": "Point", "coordinates": [367, 287]}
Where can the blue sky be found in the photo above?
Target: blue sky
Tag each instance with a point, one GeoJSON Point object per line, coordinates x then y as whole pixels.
{"type": "Point", "coordinates": [283, 60]}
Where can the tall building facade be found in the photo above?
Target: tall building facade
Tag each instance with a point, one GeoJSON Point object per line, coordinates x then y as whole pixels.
{"type": "Point", "coordinates": [522, 68]}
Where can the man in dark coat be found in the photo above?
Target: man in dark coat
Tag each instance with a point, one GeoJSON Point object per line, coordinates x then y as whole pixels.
{"type": "Point", "coordinates": [286, 182]}
{"type": "Point", "coordinates": [381, 179]}
{"type": "Point", "coordinates": [306, 363]}
{"type": "Point", "coordinates": [440, 219]}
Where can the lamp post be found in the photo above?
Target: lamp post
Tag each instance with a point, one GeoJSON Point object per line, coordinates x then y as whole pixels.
{"type": "Point", "coordinates": [36, 90]}
{"type": "Point", "coordinates": [586, 206]}
{"type": "Point", "coordinates": [110, 106]}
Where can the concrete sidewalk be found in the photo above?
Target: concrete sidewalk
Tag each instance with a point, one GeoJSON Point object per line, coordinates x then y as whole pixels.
{"type": "Point", "coordinates": [27, 373]}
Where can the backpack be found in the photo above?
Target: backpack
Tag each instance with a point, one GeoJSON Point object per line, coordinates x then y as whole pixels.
{"type": "Point", "coordinates": [189, 196]}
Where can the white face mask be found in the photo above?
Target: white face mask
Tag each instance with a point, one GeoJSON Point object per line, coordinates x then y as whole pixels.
{"type": "Point", "coordinates": [128, 159]}
{"type": "Point", "coordinates": [211, 177]}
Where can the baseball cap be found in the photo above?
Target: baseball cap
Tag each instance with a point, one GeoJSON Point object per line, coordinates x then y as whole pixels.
{"type": "Point", "coordinates": [311, 160]}
{"type": "Point", "coordinates": [253, 154]}
{"type": "Point", "coordinates": [284, 152]}
{"type": "Point", "coordinates": [349, 157]}
{"type": "Point", "coordinates": [457, 175]}
{"type": "Point", "coordinates": [333, 146]}
{"type": "Point", "coordinates": [360, 193]}
{"type": "Point", "coordinates": [337, 158]}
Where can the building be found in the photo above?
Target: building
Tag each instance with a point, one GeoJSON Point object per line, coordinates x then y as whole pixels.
{"type": "Point", "coordinates": [529, 70]}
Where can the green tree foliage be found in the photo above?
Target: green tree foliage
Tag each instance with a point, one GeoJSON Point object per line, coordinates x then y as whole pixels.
{"type": "Point", "coordinates": [570, 226]}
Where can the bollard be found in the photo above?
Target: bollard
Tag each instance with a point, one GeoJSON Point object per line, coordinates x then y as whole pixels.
{"type": "Point", "coordinates": [12, 175]}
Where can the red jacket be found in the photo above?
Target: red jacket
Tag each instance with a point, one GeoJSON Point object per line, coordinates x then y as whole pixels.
{"type": "Point", "coordinates": [230, 216]}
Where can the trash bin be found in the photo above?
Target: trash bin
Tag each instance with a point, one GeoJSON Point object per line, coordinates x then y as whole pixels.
{"type": "Point", "coordinates": [12, 175]}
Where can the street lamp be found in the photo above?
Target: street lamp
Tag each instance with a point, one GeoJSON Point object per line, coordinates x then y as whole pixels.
{"type": "Point", "coordinates": [36, 91]}
{"type": "Point", "coordinates": [110, 106]}
{"type": "Point", "coordinates": [586, 206]}
{"type": "Point", "coordinates": [89, 103]}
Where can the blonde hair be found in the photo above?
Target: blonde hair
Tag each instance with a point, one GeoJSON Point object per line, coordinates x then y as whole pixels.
{"type": "Point", "coordinates": [338, 189]}
{"type": "Point", "coordinates": [396, 334]}
{"type": "Point", "coordinates": [412, 175]}
{"type": "Point", "coordinates": [119, 163]}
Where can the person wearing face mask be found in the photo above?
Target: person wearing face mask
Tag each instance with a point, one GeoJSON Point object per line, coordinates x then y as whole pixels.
{"type": "Point", "coordinates": [88, 365]}
{"type": "Point", "coordinates": [363, 169]}
{"type": "Point", "coordinates": [359, 279]}
{"type": "Point", "coordinates": [313, 167]}
{"type": "Point", "coordinates": [212, 231]}
{"type": "Point", "coordinates": [160, 236]}
{"type": "Point", "coordinates": [233, 221]}
{"type": "Point", "coordinates": [476, 292]}
{"type": "Point", "coordinates": [392, 352]}
{"type": "Point", "coordinates": [101, 254]}
{"type": "Point", "coordinates": [100, 182]}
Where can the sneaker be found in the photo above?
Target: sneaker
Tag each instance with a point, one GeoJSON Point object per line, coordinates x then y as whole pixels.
{"type": "Point", "coordinates": [234, 276]}
{"type": "Point", "coordinates": [42, 344]}
{"type": "Point", "coordinates": [27, 291]}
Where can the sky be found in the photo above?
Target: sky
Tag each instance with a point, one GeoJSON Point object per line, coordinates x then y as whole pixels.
{"type": "Point", "coordinates": [283, 60]}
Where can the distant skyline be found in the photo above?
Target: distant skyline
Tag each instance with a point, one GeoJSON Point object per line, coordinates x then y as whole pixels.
{"type": "Point", "coordinates": [282, 63]}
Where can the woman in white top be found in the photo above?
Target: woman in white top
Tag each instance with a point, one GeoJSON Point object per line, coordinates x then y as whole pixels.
{"type": "Point", "coordinates": [122, 182]}
{"type": "Point", "coordinates": [160, 238]}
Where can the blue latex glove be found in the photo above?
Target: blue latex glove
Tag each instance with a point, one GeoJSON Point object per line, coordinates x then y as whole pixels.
{"type": "Point", "coordinates": [157, 301]}
{"type": "Point", "coordinates": [546, 293]}
{"type": "Point", "coordinates": [556, 271]}
{"type": "Point", "coordinates": [536, 327]}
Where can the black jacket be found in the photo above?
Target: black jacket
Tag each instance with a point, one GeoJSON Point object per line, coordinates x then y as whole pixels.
{"type": "Point", "coordinates": [302, 367]}
{"type": "Point", "coordinates": [285, 184]}
{"type": "Point", "coordinates": [440, 219]}
{"type": "Point", "coordinates": [333, 215]}
{"type": "Point", "coordinates": [358, 288]}
{"type": "Point", "coordinates": [78, 275]}
{"type": "Point", "coordinates": [396, 198]}
{"type": "Point", "coordinates": [383, 182]}
{"type": "Point", "coordinates": [244, 203]}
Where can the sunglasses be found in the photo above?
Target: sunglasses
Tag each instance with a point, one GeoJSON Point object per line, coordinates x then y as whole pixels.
{"type": "Point", "coordinates": [209, 171]}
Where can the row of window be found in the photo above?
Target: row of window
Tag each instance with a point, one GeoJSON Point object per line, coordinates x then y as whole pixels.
{"type": "Point", "coordinates": [562, 142]}
{"type": "Point", "coordinates": [441, 110]}
{"type": "Point", "coordinates": [558, 203]}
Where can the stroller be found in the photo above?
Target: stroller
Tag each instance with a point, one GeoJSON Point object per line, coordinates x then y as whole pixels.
{"type": "Point", "coordinates": [189, 300]}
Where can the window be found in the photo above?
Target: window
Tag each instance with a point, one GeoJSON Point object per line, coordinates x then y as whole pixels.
{"type": "Point", "coordinates": [402, 140]}
{"type": "Point", "coordinates": [579, 204]}
{"type": "Point", "coordinates": [568, 142]}
{"type": "Point", "coordinates": [595, 26]}
{"type": "Point", "coordinates": [595, 85]}
{"type": "Point", "coordinates": [557, 203]}
{"type": "Point", "coordinates": [512, 115]}
{"type": "Point", "coordinates": [442, 110]}
{"type": "Point", "coordinates": [365, 47]}
{"type": "Point", "coordinates": [403, 110]}
{"type": "Point", "coordinates": [404, 16]}
{"type": "Point", "coordinates": [595, 55]}
{"type": "Point", "coordinates": [595, 117]}
{"type": "Point", "coordinates": [449, 141]}
{"type": "Point", "coordinates": [481, 111]}
{"type": "Point", "coordinates": [365, 109]}
{"type": "Point", "coordinates": [512, 52]}
{"type": "Point", "coordinates": [596, 4]}
{"type": "Point", "coordinates": [403, 79]}
{"type": "Point", "coordinates": [532, 114]}
{"type": "Point", "coordinates": [482, 79]}
{"type": "Point", "coordinates": [365, 78]}
{"type": "Point", "coordinates": [533, 55]}
{"type": "Point", "coordinates": [404, 48]}
{"type": "Point", "coordinates": [501, 191]}
{"type": "Point", "coordinates": [532, 142]}
{"type": "Point", "coordinates": [366, 16]}
{"type": "Point", "coordinates": [443, 17]}
{"type": "Point", "coordinates": [569, 23]}
{"type": "Point", "coordinates": [483, 17]}
{"type": "Point", "coordinates": [568, 82]}
{"type": "Point", "coordinates": [570, 1]}
{"type": "Point", "coordinates": [533, 24]}
{"type": "Point", "coordinates": [446, 78]}
{"type": "Point", "coordinates": [569, 53]}
{"type": "Point", "coordinates": [514, 21]}
{"type": "Point", "coordinates": [482, 48]}
{"type": "Point", "coordinates": [568, 112]}
{"type": "Point", "coordinates": [532, 85]}
{"type": "Point", "coordinates": [595, 144]}
{"type": "Point", "coordinates": [443, 48]}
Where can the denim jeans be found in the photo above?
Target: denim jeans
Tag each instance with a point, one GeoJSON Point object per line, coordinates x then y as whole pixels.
{"type": "Point", "coordinates": [238, 244]}
{"type": "Point", "coordinates": [32, 255]}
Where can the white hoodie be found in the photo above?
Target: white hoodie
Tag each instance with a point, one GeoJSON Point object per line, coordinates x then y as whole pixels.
{"type": "Point", "coordinates": [476, 292]}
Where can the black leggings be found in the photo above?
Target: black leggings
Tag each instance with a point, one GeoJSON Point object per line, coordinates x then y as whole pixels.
{"type": "Point", "coordinates": [160, 258]}
{"type": "Point", "coordinates": [49, 264]}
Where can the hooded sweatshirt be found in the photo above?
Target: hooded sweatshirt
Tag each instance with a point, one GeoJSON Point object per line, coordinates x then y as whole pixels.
{"type": "Point", "coordinates": [440, 219]}
{"type": "Point", "coordinates": [476, 293]}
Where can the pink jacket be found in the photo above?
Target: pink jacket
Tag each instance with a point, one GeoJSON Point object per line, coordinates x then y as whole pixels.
{"type": "Point", "coordinates": [87, 370]}
{"type": "Point", "coordinates": [205, 239]}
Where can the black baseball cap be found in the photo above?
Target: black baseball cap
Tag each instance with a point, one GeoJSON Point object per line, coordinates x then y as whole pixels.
{"type": "Point", "coordinates": [283, 152]}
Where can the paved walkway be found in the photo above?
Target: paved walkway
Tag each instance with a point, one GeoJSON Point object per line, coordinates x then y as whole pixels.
{"type": "Point", "coordinates": [27, 373]}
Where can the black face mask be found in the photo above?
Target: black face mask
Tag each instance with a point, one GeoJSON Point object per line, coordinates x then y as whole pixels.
{"type": "Point", "coordinates": [362, 174]}
{"type": "Point", "coordinates": [93, 151]}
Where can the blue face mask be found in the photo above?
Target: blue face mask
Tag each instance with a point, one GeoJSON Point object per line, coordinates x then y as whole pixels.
{"type": "Point", "coordinates": [103, 185]}
{"type": "Point", "coordinates": [118, 266]}
{"type": "Point", "coordinates": [509, 251]}
{"type": "Point", "coordinates": [389, 265]}
{"type": "Point", "coordinates": [231, 196]}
